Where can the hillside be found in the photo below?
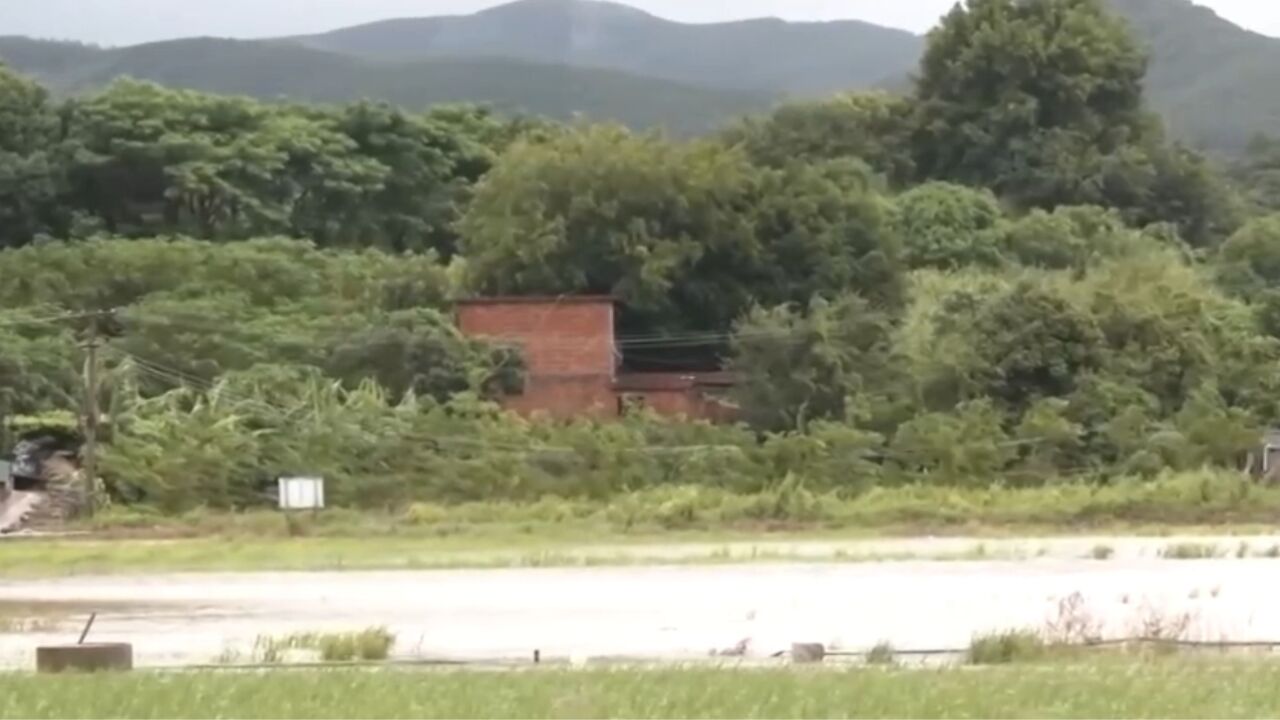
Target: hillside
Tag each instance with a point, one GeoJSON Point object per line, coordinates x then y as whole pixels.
{"type": "Point", "coordinates": [1216, 83]}
{"type": "Point", "coordinates": [272, 70]}
{"type": "Point", "coordinates": [761, 55]}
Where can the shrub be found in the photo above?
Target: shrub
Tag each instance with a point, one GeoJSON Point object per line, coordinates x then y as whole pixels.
{"type": "Point", "coordinates": [1006, 647]}
{"type": "Point", "coordinates": [1190, 551]}
{"type": "Point", "coordinates": [882, 654]}
{"type": "Point", "coordinates": [373, 643]}
{"type": "Point", "coordinates": [367, 644]}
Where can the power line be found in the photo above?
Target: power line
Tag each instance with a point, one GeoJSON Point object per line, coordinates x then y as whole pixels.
{"type": "Point", "coordinates": [53, 319]}
{"type": "Point", "coordinates": [177, 377]}
{"type": "Point", "coordinates": [655, 341]}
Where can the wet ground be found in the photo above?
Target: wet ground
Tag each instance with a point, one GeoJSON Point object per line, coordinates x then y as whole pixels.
{"type": "Point", "coordinates": [668, 612]}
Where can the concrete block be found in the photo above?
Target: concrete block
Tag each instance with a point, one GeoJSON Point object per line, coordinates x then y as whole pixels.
{"type": "Point", "coordinates": [808, 653]}
{"type": "Point", "coordinates": [90, 657]}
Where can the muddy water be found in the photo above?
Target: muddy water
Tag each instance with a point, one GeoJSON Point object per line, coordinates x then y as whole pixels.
{"type": "Point", "coordinates": [661, 613]}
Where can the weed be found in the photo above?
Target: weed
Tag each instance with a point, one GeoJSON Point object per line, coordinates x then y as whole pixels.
{"type": "Point", "coordinates": [1190, 551]}
{"type": "Point", "coordinates": [1102, 552]}
{"type": "Point", "coordinates": [16, 626]}
{"type": "Point", "coordinates": [369, 644]}
{"type": "Point", "coordinates": [1272, 552]}
{"type": "Point", "coordinates": [1160, 629]}
{"type": "Point", "coordinates": [1073, 624]}
{"type": "Point", "coordinates": [882, 654]}
{"type": "Point", "coordinates": [1006, 647]}
{"type": "Point", "coordinates": [1243, 550]}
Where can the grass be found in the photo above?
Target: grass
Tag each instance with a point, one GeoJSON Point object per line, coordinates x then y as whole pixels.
{"type": "Point", "coordinates": [1155, 688]}
{"type": "Point", "coordinates": [373, 643]}
{"type": "Point", "coordinates": [503, 547]}
{"type": "Point", "coordinates": [1190, 551]}
{"type": "Point", "coordinates": [1205, 498]}
{"type": "Point", "coordinates": [56, 557]}
{"type": "Point", "coordinates": [15, 626]}
{"type": "Point", "coordinates": [23, 617]}
{"type": "Point", "coordinates": [1003, 648]}
{"type": "Point", "coordinates": [709, 522]}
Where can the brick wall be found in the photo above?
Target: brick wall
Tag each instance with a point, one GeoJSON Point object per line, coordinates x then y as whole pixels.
{"type": "Point", "coordinates": [568, 348]}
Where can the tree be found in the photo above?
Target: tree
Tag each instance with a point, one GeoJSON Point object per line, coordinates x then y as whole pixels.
{"type": "Point", "coordinates": [1070, 237]}
{"type": "Point", "coordinates": [687, 235]}
{"type": "Point", "coordinates": [30, 177]}
{"type": "Point", "coordinates": [966, 447]}
{"type": "Point", "coordinates": [1042, 102]}
{"type": "Point", "coordinates": [601, 210]}
{"type": "Point", "coordinates": [821, 363]}
{"type": "Point", "coordinates": [823, 230]}
{"type": "Point", "coordinates": [422, 353]}
{"type": "Point", "coordinates": [1168, 330]}
{"type": "Point", "coordinates": [947, 226]}
{"type": "Point", "coordinates": [431, 162]}
{"type": "Point", "coordinates": [872, 127]}
{"type": "Point", "coordinates": [1033, 344]}
{"type": "Point", "coordinates": [1257, 173]}
{"type": "Point", "coordinates": [150, 160]}
{"type": "Point", "coordinates": [1051, 442]}
{"type": "Point", "coordinates": [1248, 263]}
{"type": "Point", "coordinates": [1025, 97]}
{"type": "Point", "coordinates": [1154, 182]}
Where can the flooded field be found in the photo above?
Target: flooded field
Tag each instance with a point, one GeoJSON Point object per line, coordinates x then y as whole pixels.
{"type": "Point", "coordinates": [663, 613]}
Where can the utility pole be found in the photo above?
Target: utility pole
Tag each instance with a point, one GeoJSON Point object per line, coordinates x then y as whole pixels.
{"type": "Point", "coordinates": [92, 414]}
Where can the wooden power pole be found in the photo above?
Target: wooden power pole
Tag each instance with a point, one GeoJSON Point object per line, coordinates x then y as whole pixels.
{"type": "Point", "coordinates": [92, 414]}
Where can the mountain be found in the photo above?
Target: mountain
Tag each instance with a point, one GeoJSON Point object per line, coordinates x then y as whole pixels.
{"type": "Point", "coordinates": [276, 70]}
{"type": "Point", "coordinates": [1216, 83]}
{"type": "Point", "coordinates": [766, 55]}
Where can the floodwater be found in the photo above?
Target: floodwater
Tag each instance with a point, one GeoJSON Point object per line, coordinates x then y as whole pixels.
{"type": "Point", "coordinates": [660, 613]}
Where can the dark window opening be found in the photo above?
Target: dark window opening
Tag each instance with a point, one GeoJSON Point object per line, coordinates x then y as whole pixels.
{"type": "Point", "coordinates": [630, 403]}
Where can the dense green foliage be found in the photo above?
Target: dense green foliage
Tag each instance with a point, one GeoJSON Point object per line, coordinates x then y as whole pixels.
{"type": "Point", "coordinates": [1009, 276]}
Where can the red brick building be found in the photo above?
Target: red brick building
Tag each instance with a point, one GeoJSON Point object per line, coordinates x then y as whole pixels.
{"type": "Point", "coordinates": [573, 361]}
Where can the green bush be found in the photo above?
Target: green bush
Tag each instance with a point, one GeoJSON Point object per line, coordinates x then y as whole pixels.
{"type": "Point", "coordinates": [1011, 646]}
{"type": "Point", "coordinates": [368, 644]}
{"type": "Point", "coordinates": [882, 654]}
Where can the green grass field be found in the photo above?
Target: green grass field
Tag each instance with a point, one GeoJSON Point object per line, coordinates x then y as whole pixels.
{"type": "Point", "coordinates": [557, 531]}
{"type": "Point", "coordinates": [1172, 688]}
{"type": "Point", "coordinates": [552, 546]}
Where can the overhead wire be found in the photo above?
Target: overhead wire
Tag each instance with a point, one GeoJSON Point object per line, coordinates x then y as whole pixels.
{"type": "Point", "coordinates": [552, 341]}
{"type": "Point", "coordinates": [50, 320]}
{"type": "Point", "coordinates": [177, 377]}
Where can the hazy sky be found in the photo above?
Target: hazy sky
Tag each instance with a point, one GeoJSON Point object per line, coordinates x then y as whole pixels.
{"type": "Point", "coordinates": [122, 22]}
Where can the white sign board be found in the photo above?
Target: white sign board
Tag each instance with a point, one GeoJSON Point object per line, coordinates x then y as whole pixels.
{"type": "Point", "coordinates": [301, 493]}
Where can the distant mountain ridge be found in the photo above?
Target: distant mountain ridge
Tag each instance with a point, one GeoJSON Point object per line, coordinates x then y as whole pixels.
{"type": "Point", "coordinates": [1216, 83]}
{"type": "Point", "coordinates": [766, 55]}
{"type": "Point", "coordinates": [274, 70]}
